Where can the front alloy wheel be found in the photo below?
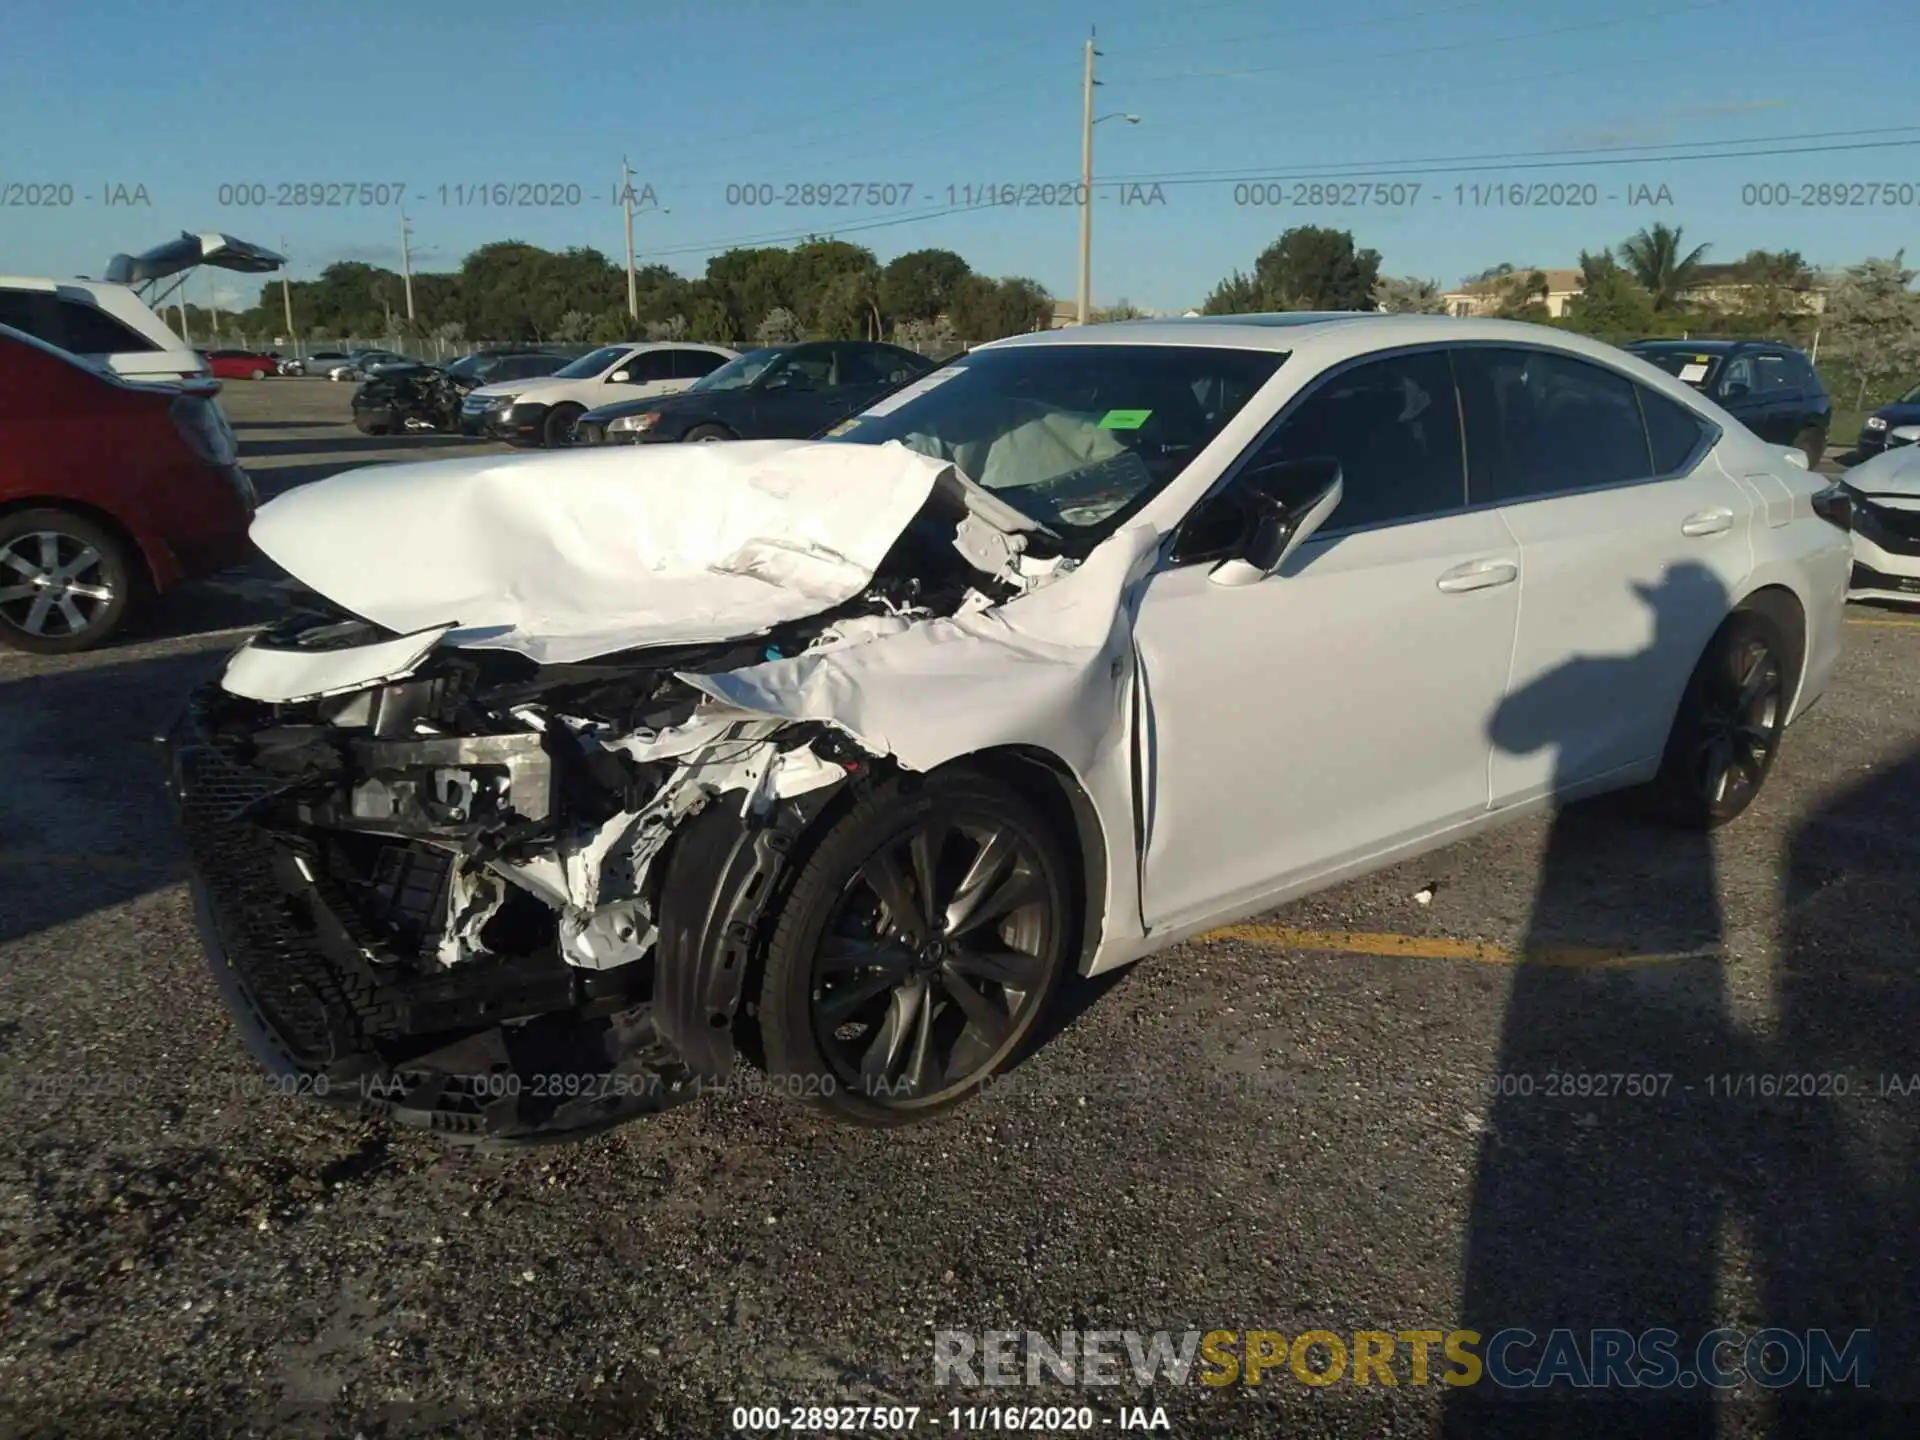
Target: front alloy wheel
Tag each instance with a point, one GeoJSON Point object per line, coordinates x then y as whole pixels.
{"type": "Point", "coordinates": [63, 582]}
{"type": "Point", "coordinates": [917, 950]}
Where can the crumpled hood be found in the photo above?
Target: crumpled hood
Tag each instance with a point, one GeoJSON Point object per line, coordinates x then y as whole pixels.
{"type": "Point", "coordinates": [1894, 472]}
{"type": "Point", "coordinates": [566, 556]}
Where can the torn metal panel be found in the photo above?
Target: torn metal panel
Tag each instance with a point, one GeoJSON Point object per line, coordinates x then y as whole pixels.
{"type": "Point", "coordinates": [287, 674]}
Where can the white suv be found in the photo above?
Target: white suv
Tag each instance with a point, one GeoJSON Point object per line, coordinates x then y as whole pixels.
{"type": "Point", "coordinates": [105, 324]}
{"type": "Point", "coordinates": [544, 411]}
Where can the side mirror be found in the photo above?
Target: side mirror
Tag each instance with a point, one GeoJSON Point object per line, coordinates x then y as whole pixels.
{"type": "Point", "coordinates": [620, 377]}
{"type": "Point", "coordinates": [1283, 504]}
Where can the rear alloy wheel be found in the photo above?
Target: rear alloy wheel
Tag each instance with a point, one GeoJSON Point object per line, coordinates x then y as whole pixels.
{"type": "Point", "coordinates": [1727, 734]}
{"type": "Point", "coordinates": [65, 582]}
{"type": "Point", "coordinates": [707, 434]}
{"type": "Point", "coordinates": [917, 950]}
{"type": "Point", "coordinates": [558, 431]}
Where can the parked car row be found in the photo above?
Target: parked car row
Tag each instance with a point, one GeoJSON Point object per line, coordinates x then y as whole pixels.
{"type": "Point", "coordinates": [419, 396]}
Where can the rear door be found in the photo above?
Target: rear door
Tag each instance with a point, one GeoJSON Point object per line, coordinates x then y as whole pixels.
{"type": "Point", "coordinates": [1633, 542]}
{"type": "Point", "coordinates": [1782, 400]}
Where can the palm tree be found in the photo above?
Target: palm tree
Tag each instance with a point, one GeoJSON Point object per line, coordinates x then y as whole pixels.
{"type": "Point", "coordinates": [1655, 258]}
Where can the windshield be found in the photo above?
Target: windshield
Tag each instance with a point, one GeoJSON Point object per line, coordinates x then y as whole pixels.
{"type": "Point", "coordinates": [737, 373]}
{"type": "Point", "coordinates": [1693, 366]}
{"type": "Point", "coordinates": [1077, 437]}
{"type": "Point", "coordinates": [467, 365]}
{"type": "Point", "coordinates": [591, 364]}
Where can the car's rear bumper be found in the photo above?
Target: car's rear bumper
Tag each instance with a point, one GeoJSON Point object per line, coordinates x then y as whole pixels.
{"type": "Point", "coordinates": [483, 1053]}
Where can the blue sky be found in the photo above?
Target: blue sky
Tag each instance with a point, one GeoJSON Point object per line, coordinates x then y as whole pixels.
{"type": "Point", "coordinates": [704, 94]}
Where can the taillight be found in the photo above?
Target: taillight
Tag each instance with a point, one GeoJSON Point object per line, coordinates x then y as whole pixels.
{"type": "Point", "coordinates": [203, 425]}
{"type": "Point", "coordinates": [1835, 505]}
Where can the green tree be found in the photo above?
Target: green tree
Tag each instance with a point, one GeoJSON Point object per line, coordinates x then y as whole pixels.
{"type": "Point", "coordinates": [1409, 296]}
{"type": "Point", "coordinates": [1236, 295]}
{"type": "Point", "coordinates": [1872, 325]}
{"type": "Point", "coordinates": [1662, 266]}
{"type": "Point", "coordinates": [919, 285]}
{"type": "Point", "coordinates": [779, 326]}
{"type": "Point", "coordinates": [1611, 305]}
{"type": "Point", "coordinates": [1310, 267]}
{"type": "Point", "coordinates": [746, 284]}
{"type": "Point", "coordinates": [711, 322]}
{"type": "Point", "coordinates": [1121, 310]}
{"type": "Point", "coordinates": [1522, 296]}
{"type": "Point", "coordinates": [984, 309]}
{"type": "Point", "coordinates": [833, 286]}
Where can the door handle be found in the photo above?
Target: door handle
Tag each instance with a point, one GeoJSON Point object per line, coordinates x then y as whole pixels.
{"type": "Point", "coordinates": [1478, 575]}
{"type": "Point", "coordinates": [1707, 522]}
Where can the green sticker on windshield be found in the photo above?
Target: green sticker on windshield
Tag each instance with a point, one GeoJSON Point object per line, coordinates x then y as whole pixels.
{"type": "Point", "coordinates": [1124, 419]}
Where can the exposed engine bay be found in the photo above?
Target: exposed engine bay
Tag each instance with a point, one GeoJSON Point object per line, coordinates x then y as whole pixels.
{"type": "Point", "coordinates": [512, 899]}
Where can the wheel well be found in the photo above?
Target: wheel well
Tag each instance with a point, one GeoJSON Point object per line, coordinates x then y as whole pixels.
{"type": "Point", "coordinates": [1045, 782]}
{"type": "Point", "coordinates": [143, 567]}
{"type": "Point", "coordinates": [1783, 607]}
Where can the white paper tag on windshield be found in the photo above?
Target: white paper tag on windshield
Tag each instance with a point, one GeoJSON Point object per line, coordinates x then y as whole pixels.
{"type": "Point", "coordinates": [1691, 373]}
{"type": "Point", "coordinates": [908, 393]}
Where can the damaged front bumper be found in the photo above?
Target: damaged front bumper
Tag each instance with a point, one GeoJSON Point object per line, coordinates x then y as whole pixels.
{"type": "Point", "coordinates": [469, 933]}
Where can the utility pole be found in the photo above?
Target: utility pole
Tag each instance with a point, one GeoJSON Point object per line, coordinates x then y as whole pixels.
{"type": "Point", "coordinates": [1086, 184]}
{"type": "Point", "coordinates": [213, 309]}
{"type": "Point", "coordinates": [626, 197]}
{"type": "Point", "coordinates": [406, 261]}
{"type": "Point", "coordinates": [286, 300]}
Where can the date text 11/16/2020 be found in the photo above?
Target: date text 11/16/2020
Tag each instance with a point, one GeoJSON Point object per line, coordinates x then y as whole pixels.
{"type": "Point", "coordinates": [387, 194]}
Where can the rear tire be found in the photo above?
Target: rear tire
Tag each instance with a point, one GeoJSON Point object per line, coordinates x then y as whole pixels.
{"type": "Point", "coordinates": [1727, 732]}
{"type": "Point", "coordinates": [707, 434]}
{"type": "Point", "coordinates": [887, 1011]}
{"type": "Point", "coordinates": [557, 433]}
{"type": "Point", "coordinates": [86, 573]}
{"type": "Point", "coordinates": [1813, 444]}
{"type": "Point", "coordinates": [259, 375]}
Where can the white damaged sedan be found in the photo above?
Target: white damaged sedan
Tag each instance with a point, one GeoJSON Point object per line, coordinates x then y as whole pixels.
{"type": "Point", "coordinates": [603, 772]}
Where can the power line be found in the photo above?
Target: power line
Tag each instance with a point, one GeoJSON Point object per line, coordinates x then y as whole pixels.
{"type": "Point", "coordinates": [1364, 174]}
{"type": "Point", "coordinates": [1203, 177]}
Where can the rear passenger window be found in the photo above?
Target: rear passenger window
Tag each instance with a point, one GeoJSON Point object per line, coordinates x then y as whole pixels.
{"type": "Point", "coordinates": [1394, 426]}
{"type": "Point", "coordinates": [693, 364]}
{"type": "Point", "coordinates": [1539, 423]}
{"type": "Point", "coordinates": [91, 331]}
{"type": "Point", "coordinates": [1674, 432]}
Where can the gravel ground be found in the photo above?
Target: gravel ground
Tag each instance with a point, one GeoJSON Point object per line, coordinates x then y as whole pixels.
{"type": "Point", "coordinates": [1243, 1133]}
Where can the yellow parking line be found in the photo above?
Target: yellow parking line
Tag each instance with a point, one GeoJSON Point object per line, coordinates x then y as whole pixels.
{"type": "Point", "coordinates": [1426, 947]}
{"type": "Point", "coordinates": [1887, 624]}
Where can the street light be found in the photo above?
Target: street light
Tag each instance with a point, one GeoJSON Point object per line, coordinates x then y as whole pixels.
{"type": "Point", "coordinates": [1088, 121]}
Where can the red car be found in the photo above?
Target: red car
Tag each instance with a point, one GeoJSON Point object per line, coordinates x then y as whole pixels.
{"type": "Point", "coordinates": [242, 364]}
{"type": "Point", "coordinates": [111, 493]}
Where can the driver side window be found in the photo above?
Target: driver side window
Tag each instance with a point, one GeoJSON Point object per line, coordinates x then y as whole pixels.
{"type": "Point", "coordinates": [1394, 426]}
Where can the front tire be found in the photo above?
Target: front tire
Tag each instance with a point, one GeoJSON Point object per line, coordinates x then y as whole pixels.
{"type": "Point", "coordinates": [917, 950]}
{"type": "Point", "coordinates": [259, 375]}
{"type": "Point", "coordinates": [1727, 732]}
{"type": "Point", "coordinates": [66, 582]}
{"type": "Point", "coordinates": [557, 433]}
{"type": "Point", "coordinates": [707, 434]}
